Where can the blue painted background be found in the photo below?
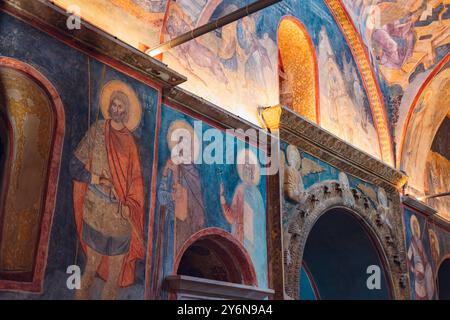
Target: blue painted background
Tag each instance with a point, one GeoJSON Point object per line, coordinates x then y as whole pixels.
{"type": "Point", "coordinates": [442, 235]}
{"type": "Point", "coordinates": [211, 177]}
{"type": "Point", "coordinates": [337, 268]}
{"type": "Point", "coordinates": [67, 70]}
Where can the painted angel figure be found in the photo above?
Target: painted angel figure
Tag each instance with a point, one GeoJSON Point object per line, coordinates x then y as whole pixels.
{"type": "Point", "coordinates": [246, 210]}
{"type": "Point", "coordinates": [294, 171]}
{"type": "Point", "coordinates": [346, 192]}
{"type": "Point", "coordinates": [419, 264]}
{"type": "Point", "coordinates": [383, 207]}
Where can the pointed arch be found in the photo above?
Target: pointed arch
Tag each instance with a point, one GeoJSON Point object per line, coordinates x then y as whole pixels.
{"type": "Point", "coordinates": [368, 77]}
{"type": "Point", "coordinates": [425, 115]}
{"type": "Point", "coordinates": [299, 88]}
{"type": "Point", "coordinates": [413, 105]}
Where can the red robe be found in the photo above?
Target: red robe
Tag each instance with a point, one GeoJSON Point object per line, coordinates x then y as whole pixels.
{"type": "Point", "coordinates": [125, 168]}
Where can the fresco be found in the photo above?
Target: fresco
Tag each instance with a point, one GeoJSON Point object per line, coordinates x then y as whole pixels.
{"type": "Point", "coordinates": [241, 59]}
{"type": "Point", "coordinates": [28, 147]}
{"type": "Point", "coordinates": [109, 193]}
{"type": "Point", "coordinates": [437, 170]}
{"type": "Point", "coordinates": [110, 177]}
{"type": "Point", "coordinates": [192, 197]}
{"type": "Point", "coordinates": [401, 34]}
{"type": "Point", "coordinates": [437, 182]}
{"type": "Point", "coordinates": [405, 40]}
{"type": "Point", "coordinates": [427, 245]}
{"type": "Point", "coordinates": [427, 114]}
{"type": "Point", "coordinates": [342, 99]}
{"type": "Point", "coordinates": [107, 168]}
{"type": "Point", "coordinates": [109, 130]}
{"type": "Point", "coordinates": [136, 22]}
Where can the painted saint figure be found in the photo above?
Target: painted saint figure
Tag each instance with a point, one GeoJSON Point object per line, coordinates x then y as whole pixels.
{"type": "Point", "coordinates": [420, 265]}
{"type": "Point", "coordinates": [247, 204]}
{"type": "Point", "coordinates": [293, 181]}
{"type": "Point", "coordinates": [180, 190]}
{"type": "Point", "coordinates": [434, 245]}
{"type": "Point", "coordinates": [109, 193]}
{"type": "Point", "coordinates": [181, 211]}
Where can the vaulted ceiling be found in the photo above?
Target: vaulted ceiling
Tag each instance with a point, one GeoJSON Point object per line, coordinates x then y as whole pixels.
{"type": "Point", "coordinates": [398, 46]}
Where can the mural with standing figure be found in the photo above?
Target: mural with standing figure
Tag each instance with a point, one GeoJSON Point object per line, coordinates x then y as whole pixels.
{"type": "Point", "coordinates": [194, 197]}
{"type": "Point", "coordinates": [109, 193]}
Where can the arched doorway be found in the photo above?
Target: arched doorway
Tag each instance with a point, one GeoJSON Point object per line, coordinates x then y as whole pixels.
{"type": "Point", "coordinates": [223, 250]}
{"type": "Point", "coordinates": [212, 264]}
{"type": "Point", "coordinates": [338, 253]}
{"type": "Point", "coordinates": [207, 258]}
{"type": "Point", "coordinates": [299, 82]}
{"type": "Point", "coordinates": [443, 280]}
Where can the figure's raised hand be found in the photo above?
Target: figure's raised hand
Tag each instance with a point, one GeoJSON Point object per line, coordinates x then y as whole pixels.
{"type": "Point", "coordinates": [222, 189]}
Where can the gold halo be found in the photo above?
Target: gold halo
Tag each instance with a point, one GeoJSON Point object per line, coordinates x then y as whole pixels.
{"type": "Point", "coordinates": [292, 148]}
{"type": "Point", "coordinates": [135, 110]}
{"type": "Point", "coordinates": [252, 159]}
{"type": "Point", "coordinates": [414, 222]}
{"type": "Point", "coordinates": [181, 124]}
{"type": "Point", "coordinates": [433, 238]}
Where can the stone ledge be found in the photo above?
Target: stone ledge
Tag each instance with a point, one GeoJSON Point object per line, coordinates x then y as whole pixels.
{"type": "Point", "coordinates": [194, 287]}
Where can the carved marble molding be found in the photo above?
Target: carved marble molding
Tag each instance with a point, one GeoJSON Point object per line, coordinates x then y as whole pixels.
{"type": "Point", "coordinates": [51, 19]}
{"type": "Point", "coordinates": [327, 147]}
{"type": "Point", "coordinates": [327, 195]}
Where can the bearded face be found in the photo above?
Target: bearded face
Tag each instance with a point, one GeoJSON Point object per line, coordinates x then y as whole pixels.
{"type": "Point", "coordinates": [118, 108]}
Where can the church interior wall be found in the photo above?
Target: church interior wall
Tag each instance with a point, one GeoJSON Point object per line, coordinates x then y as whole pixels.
{"type": "Point", "coordinates": [238, 204]}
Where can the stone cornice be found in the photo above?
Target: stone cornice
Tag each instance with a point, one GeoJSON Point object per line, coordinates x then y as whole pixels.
{"type": "Point", "coordinates": [426, 210]}
{"type": "Point", "coordinates": [329, 148]}
{"type": "Point", "coordinates": [51, 19]}
{"type": "Point", "coordinates": [210, 111]}
{"type": "Point", "coordinates": [206, 109]}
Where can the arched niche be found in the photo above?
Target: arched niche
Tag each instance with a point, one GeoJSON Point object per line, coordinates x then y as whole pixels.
{"type": "Point", "coordinates": [427, 114]}
{"type": "Point", "coordinates": [213, 264]}
{"type": "Point", "coordinates": [299, 84]}
{"type": "Point", "coordinates": [32, 132]}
